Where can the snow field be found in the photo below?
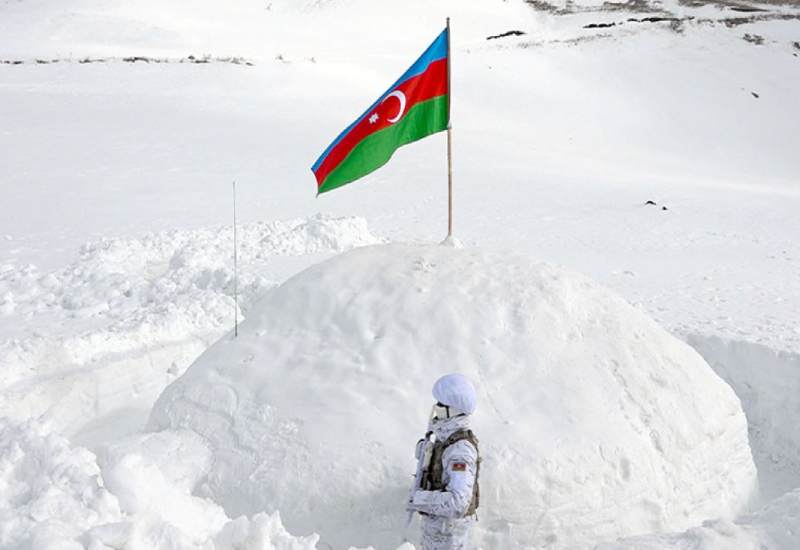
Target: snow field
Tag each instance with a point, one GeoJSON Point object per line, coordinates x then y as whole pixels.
{"type": "Point", "coordinates": [118, 324]}
{"type": "Point", "coordinates": [570, 162]}
{"type": "Point", "coordinates": [595, 422]}
{"type": "Point", "coordinates": [573, 128]}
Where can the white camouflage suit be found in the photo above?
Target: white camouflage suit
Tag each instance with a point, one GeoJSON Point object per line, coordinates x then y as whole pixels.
{"type": "Point", "coordinates": [445, 527]}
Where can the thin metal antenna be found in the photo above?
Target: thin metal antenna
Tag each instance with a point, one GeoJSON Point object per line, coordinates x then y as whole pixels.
{"type": "Point", "coordinates": [235, 270]}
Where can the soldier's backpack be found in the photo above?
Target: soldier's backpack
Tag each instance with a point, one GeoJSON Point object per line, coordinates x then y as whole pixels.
{"type": "Point", "coordinates": [433, 479]}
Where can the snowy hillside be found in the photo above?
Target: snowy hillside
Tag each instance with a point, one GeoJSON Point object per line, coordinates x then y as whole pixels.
{"type": "Point", "coordinates": [122, 126]}
{"type": "Point", "coordinates": [576, 128]}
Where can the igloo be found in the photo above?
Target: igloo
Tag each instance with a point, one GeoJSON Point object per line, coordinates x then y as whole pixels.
{"type": "Point", "coordinates": [594, 422]}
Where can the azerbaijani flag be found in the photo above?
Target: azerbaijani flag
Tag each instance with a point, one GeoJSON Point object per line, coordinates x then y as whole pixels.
{"type": "Point", "coordinates": [414, 107]}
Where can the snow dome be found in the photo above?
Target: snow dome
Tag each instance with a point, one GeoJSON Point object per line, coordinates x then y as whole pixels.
{"type": "Point", "coordinates": [594, 422]}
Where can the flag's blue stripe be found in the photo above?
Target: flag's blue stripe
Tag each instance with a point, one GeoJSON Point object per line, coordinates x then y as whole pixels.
{"type": "Point", "coordinates": [436, 51]}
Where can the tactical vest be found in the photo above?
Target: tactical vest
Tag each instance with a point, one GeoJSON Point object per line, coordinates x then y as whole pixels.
{"type": "Point", "coordinates": [433, 478]}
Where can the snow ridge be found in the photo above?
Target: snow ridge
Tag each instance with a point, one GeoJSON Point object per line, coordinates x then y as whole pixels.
{"type": "Point", "coordinates": [136, 311]}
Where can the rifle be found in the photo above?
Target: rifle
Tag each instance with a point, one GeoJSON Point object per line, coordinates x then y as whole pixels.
{"type": "Point", "coordinates": [423, 454]}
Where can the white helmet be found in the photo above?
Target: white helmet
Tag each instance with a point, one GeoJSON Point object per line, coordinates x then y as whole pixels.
{"type": "Point", "coordinates": [457, 393]}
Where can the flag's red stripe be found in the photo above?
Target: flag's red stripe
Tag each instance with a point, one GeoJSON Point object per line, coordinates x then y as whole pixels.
{"type": "Point", "coordinates": [432, 83]}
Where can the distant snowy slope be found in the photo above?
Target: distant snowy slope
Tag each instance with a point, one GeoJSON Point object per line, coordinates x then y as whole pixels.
{"type": "Point", "coordinates": [561, 135]}
{"type": "Point", "coordinates": [254, 28]}
{"type": "Point", "coordinates": [594, 422]}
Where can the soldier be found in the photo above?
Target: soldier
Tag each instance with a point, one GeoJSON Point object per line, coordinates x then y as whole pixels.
{"type": "Point", "coordinates": [445, 491]}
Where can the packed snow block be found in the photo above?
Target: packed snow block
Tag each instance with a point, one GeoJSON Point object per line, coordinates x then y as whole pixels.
{"type": "Point", "coordinates": [767, 381]}
{"type": "Point", "coordinates": [594, 422]}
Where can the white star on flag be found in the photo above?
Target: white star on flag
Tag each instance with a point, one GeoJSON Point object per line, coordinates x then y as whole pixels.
{"type": "Point", "coordinates": [374, 118]}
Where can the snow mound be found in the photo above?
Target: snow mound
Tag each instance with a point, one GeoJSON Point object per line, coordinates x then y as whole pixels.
{"type": "Point", "coordinates": [595, 423]}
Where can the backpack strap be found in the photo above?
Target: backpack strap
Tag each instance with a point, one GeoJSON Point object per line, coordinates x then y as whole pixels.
{"type": "Point", "coordinates": [462, 435]}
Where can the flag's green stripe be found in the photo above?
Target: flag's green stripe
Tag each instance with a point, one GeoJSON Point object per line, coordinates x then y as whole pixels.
{"type": "Point", "coordinates": [375, 150]}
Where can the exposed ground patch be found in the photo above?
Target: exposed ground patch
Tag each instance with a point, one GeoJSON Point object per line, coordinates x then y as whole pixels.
{"type": "Point", "coordinates": [201, 60]}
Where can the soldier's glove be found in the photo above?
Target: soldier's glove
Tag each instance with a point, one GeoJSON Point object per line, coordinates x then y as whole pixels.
{"type": "Point", "coordinates": [421, 501]}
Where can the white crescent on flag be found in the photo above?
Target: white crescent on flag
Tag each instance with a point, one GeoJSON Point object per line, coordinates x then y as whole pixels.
{"type": "Point", "coordinates": [402, 98]}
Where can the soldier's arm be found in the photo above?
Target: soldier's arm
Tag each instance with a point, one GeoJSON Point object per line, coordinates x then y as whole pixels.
{"type": "Point", "coordinates": [460, 462]}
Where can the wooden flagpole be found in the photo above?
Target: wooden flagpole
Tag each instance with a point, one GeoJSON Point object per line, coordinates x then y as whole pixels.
{"type": "Point", "coordinates": [449, 143]}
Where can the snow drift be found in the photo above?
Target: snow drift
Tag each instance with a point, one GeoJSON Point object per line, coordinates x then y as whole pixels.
{"type": "Point", "coordinates": [774, 527]}
{"type": "Point", "coordinates": [595, 423]}
{"type": "Point", "coordinates": [50, 492]}
{"type": "Point", "coordinates": [54, 497]}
